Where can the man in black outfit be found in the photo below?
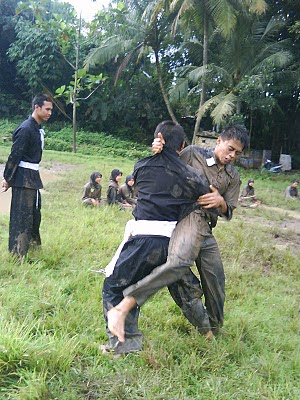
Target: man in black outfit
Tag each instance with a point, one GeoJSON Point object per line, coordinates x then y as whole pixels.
{"type": "Point", "coordinates": [22, 175]}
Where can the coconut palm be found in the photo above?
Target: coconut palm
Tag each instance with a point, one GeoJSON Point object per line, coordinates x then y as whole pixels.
{"type": "Point", "coordinates": [252, 52]}
{"type": "Point", "coordinates": [141, 35]}
{"type": "Point", "coordinates": [205, 15]}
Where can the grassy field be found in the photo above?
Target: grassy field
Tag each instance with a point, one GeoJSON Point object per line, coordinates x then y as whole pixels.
{"type": "Point", "coordinates": [51, 323]}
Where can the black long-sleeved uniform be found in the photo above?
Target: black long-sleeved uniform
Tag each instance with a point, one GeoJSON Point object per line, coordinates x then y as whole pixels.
{"type": "Point", "coordinates": [25, 216]}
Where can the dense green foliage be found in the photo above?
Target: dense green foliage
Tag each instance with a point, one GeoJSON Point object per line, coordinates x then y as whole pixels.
{"type": "Point", "coordinates": [148, 50]}
{"type": "Point", "coordinates": [101, 144]}
{"type": "Point", "coordinates": [51, 324]}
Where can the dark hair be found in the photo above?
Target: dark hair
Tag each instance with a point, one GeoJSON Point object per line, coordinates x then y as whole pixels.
{"type": "Point", "coordinates": [250, 181]}
{"type": "Point", "coordinates": [114, 173]}
{"type": "Point", "coordinates": [236, 132]}
{"type": "Point", "coordinates": [173, 134]}
{"type": "Point", "coordinates": [295, 180]}
{"type": "Point", "coordinates": [39, 100]}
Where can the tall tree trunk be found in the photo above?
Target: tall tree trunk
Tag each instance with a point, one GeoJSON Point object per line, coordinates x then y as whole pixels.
{"type": "Point", "coordinates": [75, 86]}
{"type": "Point", "coordinates": [204, 63]}
{"type": "Point", "coordinates": [162, 87]}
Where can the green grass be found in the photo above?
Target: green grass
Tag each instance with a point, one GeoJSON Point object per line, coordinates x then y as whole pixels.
{"type": "Point", "coordinates": [51, 322]}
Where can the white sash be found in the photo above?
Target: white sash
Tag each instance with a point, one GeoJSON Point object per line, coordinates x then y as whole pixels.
{"type": "Point", "coordinates": [141, 227]}
{"type": "Point", "coordinates": [29, 165]}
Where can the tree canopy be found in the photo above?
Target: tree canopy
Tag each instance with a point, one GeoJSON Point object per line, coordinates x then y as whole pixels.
{"type": "Point", "coordinates": [215, 62]}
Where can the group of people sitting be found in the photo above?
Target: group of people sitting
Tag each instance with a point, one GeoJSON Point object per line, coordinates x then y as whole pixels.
{"type": "Point", "coordinates": [123, 196]}
{"type": "Point", "coordinates": [248, 198]}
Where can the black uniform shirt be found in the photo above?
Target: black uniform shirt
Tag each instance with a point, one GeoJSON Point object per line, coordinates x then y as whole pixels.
{"type": "Point", "coordinates": [166, 186]}
{"type": "Point", "coordinates": [26, 147]}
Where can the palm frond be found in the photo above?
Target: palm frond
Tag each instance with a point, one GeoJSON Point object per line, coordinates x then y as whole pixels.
{"type": "Point", "coordinates": [179, 90]}
{"type": "Point", "coordinates": [186, 5]}
{"type": "Point", "coordinates": [213, 101]}
{"type": "Point", "coordinates": [223, 14]}
{"type": "Point", "coordinates": [273, 27]}
{"type": "Point", "coordinates": [257, 6]}
{"type": "Point", "coordinates": [277, 60]}
{"type": "Point", "coordinates": [111, 48]}
{"type": "Point", "coordinates": [224, 109]}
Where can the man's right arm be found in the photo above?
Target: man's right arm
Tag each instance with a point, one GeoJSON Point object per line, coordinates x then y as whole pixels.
{"type": "Point", "coordinates": [16, 154]}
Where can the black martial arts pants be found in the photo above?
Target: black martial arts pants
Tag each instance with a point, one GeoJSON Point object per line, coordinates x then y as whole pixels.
{"type": "Point", "coordinates": [25, 220]}
{"type": "Point", "coordinates": [139, 256]}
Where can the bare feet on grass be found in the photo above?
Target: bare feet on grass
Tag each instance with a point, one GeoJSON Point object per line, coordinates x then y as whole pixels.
{"type": "Point", "coordinates": [209, 335]}
{"type": "Point", "coordinates": [116, 323]}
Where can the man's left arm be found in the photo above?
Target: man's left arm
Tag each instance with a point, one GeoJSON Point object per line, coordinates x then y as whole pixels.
{"type": "Point", "coordinates": [225, 203]}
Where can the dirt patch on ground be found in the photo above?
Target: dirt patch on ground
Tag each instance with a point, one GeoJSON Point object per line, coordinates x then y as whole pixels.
{"type": "Point", "coordinates": [50, 172]}
{"type": "Point", "coordinates": [284, 227]}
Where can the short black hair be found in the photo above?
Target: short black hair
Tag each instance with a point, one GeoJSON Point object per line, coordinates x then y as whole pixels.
{"type": "Point", "coordinates": [39, 100]}
{"type": "Point", "coordinates": [236, 132]}
{"type": "Point", "coordinates": [173, 134]}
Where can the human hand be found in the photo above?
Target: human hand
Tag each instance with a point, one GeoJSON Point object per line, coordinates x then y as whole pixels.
{"type": "Point", "coordinates": [213, 200]}
{"type": "Point", "coordinates": [158, 144]}
{"type": "Point", "coordinates": [4, 186]}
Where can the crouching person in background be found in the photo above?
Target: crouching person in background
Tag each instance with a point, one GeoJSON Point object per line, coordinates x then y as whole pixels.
{"type": "Point", "coordinates": [91, 195]}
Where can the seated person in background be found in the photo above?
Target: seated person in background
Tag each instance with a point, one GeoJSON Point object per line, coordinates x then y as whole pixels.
{"type": "Point", "coordinates": [91, 195]}
{"type": "Point", "coordinates": [291, 192]}
{"type": "Point", "coordinates": [247, 197]}
{"type": "Point", "coordinates": [113, 191]}
{"type": "Point", "coordinates": [126, 191]}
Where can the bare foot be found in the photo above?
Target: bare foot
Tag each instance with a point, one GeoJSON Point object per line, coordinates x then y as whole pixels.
{"type": "Point", "coordinates": [116, 323]}
{"type": "Point", "coordinates": [209, 335]}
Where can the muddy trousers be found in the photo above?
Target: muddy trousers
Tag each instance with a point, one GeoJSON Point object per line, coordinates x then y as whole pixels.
{"type": "Point", "coordinates": [25, 220]}
{"type": "Point", "coordinates": [191, 236]}
{"type": "Point", "coordinates": [139, 256]}
{"type": "Point", "coordinates": [188, 292]}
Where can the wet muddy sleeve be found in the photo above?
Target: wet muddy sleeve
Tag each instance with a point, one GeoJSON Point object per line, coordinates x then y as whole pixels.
{"type": "Point", "coordinates": [231, 196]}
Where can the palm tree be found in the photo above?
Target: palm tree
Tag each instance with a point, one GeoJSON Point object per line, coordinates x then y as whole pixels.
{"type": "Point", "coordinates": [141, 35]}
{"type": "Point", "coordinates": [203, 16]}
{"type": "Point", "coordinates": [252, 52]}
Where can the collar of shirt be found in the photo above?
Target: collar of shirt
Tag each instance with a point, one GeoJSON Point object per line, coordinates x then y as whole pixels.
{"type": "Point", "coordinates": [210, 161]}
{"type": "Point", "coordinates": [33, 121]}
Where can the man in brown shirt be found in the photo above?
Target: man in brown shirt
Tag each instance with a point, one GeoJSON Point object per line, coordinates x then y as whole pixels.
{"type": "Point", "coordinates": [192, 240]}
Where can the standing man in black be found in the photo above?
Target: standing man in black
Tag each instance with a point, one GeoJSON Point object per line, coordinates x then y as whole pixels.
{"type": "Point", "coordinates": [22, 175]}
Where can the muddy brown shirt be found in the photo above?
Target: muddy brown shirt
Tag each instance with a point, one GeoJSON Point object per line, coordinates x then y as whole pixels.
{"type": "Point", "coordinates": [247, 191]}
{"type": "Point", "coordinates": [127, 194]}
{"type": "Point", "coordinates": [226, 178]}
{"type": "Point", "coordinates": [291, 193]}
{"type": "Point", "coordinates": [113, 193]}
{"type": "Point", "coordinates": [90, 192]}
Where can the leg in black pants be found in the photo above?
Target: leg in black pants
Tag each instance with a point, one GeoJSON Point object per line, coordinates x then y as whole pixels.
{"type": "Point", "coordinates": [139, 256]}
{"type": "Point", "coordinates": [25, 219]}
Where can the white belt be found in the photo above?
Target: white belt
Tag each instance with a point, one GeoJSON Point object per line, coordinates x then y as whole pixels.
{"type": "Point", "coordinates": [29, 165]}
{"type": "Point", "coordinates": [141, 227]}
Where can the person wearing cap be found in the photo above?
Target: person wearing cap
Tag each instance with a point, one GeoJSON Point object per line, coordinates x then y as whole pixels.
{"type": "Point", "coordinates": [91, 195]}
{"type": "Point", "coordinates": [247, 197]}
{"type": "Point", "coordinates": [127, 192]}
{"type": "Point", "coordinates": [291, 192]}
{"type": "Point", "coordinates": [21, 173]}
